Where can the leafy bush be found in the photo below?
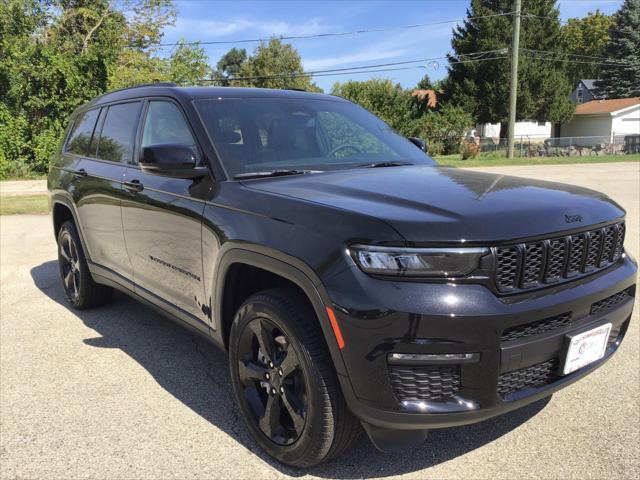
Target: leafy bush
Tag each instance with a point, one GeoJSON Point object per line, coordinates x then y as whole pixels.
{"type": "Point", "coordinates": [443, 129]}
{"type": "Point", "coordinates": [14, 143]}
{"type": "Point", "coordinates": [469, 149]}
{"type": "Point", "coordinates": [45, 144]}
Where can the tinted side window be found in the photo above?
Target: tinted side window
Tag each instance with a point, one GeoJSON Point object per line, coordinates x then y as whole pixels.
{"type": "Point", "coordinates": [166, 124]}
{"type": "Point", "coordinates": [80, 135]}
{"type": "Point", "coordinates": [118, 133]}
{"type": "Point", "coordinates": [93, 146]}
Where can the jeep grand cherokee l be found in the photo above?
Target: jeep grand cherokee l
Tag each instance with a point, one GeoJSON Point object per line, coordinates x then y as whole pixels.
{"type": "Point", "coordinates": [352, 281]}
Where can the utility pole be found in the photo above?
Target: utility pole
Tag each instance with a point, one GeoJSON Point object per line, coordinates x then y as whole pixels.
{"type": "Point", "coordinates": [513, 93]}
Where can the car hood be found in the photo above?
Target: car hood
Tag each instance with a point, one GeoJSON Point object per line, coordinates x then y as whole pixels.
{"type": "Point", "coordinates": [440, 204]}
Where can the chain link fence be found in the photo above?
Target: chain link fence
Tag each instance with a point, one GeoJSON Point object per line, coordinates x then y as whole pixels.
{"type": "Point", "coordinates": [534, 146]}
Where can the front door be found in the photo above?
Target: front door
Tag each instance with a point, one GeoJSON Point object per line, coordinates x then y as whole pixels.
{"type": "Point", "coordinates": [162, 219]}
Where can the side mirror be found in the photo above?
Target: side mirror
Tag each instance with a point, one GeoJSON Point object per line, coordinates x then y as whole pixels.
{"type": "Point", "coordinates": [170, 160]}
{"type": "Point", "coordinates": [420, 143]}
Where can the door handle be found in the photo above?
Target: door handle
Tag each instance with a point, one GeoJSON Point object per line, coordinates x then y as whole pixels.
{"type": "Point", "coordinates": [80, 173]}
{"type": "Point", "coordinates": [134, 186]}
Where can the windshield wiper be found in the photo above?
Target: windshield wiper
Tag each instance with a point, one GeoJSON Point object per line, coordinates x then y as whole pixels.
{"type": "Point", "coordinates": [384, 164]}
{"type": "Point", "coordinates": [274, 173]}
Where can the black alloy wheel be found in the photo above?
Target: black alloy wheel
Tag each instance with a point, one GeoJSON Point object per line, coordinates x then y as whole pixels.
{"type": "Point", "coordinates": [284, 381]}
{"type": "Point", "coordinates": [79, 287]}
{"type": "Point", "coordinates": [69, 266]}
{"type": "Point", "coordinates": [272, 381]}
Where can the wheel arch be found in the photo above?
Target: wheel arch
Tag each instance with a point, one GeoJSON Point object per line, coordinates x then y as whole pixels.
{"type": "Point", "coordinates": [62, 210]}
{"type": "Point", "coordinates": [291, 270]}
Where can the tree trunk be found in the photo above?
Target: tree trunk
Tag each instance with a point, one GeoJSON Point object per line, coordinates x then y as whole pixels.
{"type": "Point", "coordinates": [504, 129]}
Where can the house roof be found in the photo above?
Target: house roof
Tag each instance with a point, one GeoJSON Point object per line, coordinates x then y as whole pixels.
{"type": "Point", "coordinates": [604, 107]}
{"type": "Point", "coordinates": [589, 83]}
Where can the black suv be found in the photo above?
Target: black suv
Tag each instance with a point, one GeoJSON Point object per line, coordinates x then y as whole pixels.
{"type": "Point", "coordinates": [351, 280]}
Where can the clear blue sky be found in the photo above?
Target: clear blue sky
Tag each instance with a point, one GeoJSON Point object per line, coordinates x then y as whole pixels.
{"type": "Point", "coordinates": [208, 20]}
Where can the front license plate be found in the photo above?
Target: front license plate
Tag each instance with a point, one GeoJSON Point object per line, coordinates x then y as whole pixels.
{"type": "Point", "coordinates": [586, 348]}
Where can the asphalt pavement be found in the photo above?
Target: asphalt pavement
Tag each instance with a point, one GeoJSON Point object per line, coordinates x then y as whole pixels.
{"type": "Point", "coordinates": [120, 392]}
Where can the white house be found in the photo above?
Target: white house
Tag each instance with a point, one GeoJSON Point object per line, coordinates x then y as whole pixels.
{"type": "Point", "coordinates": [527, 129]}
{"type": "Point", "coordinates": [606, 119]}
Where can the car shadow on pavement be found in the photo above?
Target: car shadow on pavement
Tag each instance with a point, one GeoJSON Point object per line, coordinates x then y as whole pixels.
{"type": "Point", "coordinates": [196, 373]}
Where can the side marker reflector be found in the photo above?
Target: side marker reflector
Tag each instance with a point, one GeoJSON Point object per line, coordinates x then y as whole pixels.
{"type": "Point", "coordinates": [335, 327]}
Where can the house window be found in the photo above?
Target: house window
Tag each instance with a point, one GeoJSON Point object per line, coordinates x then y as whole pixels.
{"type": "Point", "coordinates": [580, 94]}
{"type": "Point", "coordinates": [542, 124]}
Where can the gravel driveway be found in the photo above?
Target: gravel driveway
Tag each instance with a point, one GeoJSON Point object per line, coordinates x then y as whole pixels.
{"type": "Point", "coordinates": [120, 392]}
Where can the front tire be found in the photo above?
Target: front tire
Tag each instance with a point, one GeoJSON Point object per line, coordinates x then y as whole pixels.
{"type": "Point", "coordinates": [284, 382]}
{"type": "Point", "coordinates": [79, 288]}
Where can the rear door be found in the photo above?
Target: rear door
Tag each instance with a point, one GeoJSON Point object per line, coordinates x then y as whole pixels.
{"type": "Point", "coordinates": [162, 218]}
{"type": "Point", "coordinates": [101, 143]}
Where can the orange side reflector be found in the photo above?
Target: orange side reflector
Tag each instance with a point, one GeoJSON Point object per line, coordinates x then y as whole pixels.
{"type": "Point", "coordinates": [336, 327]}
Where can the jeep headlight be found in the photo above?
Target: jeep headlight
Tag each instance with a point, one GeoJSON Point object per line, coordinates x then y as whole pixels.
{"type": "Point", "coordinates": [417, 262]}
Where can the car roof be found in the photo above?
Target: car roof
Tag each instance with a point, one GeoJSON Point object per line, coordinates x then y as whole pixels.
{"type": "Point", "coordinates": [194, 93]}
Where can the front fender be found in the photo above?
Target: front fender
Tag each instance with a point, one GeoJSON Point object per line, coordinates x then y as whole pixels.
{"type": "Point", "coordinates": [279, 263]}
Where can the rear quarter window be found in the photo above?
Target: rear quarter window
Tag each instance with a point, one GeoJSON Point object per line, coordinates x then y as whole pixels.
{"type": "Point", "coordinates": [80, 136]}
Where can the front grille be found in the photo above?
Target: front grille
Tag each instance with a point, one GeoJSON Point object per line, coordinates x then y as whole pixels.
{"type": "Point", "coordinates": [431, 382]}
{"type": "Point", "coordinates": [576, 245]}
{"type": "Point", "coordinates": [533, 376]}
{"type": "Point", "coordinates": [536, 264]}
{"type": "Point", "coordinates": [533, 258]}
{"type": "Point", "coordinates": [556, 260]}
{"type": "Point", "coordinates": [536, 328]}
{"type": "Point", "coordinates": [611, 302]}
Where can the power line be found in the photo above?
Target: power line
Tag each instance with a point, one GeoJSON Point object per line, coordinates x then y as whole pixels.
{"type": "Point", "coordinates": [604, 64]}
{"type": "Point", "coordinates": [607, 59]}
{"type": "Point", "coordinates": [473, 57]}
{"type": "Point", "coordinates": [331, 73]}
{"type": "Point", "coordinates": [328, 34]}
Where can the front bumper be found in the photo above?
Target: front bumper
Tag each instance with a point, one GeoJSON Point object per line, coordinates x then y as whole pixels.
{"type": "Point", "coordinates": [380, 317]}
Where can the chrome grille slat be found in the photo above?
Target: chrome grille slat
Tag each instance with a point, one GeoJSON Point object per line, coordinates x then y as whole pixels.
{"type": "Point", "coordinates": [536, 264]}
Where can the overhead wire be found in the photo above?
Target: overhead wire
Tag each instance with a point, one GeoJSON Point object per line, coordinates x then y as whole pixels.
{"type": "Point", "coordinates": [330, 73]}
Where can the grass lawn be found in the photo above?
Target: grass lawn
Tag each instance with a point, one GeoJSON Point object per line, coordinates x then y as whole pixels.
{"type": "Point", "coordinates": [492, 160]}
{"type": "Point", "coordinates": [29, 176]}
{"type": "Point", "coordinates": [34, 204]}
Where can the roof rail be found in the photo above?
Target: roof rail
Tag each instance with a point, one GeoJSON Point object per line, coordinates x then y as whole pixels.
{"type": "Point", "coordinates": [141, 85]}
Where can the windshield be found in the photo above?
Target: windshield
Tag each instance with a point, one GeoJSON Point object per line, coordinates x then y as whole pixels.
{"type": "Point", "coordinates": [266, 134]}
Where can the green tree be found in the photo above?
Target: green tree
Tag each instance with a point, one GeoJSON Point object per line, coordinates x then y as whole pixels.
{"type": "Point", "coordinates": [229, 65]}
{"type": "Point", "coordinates": [382, 97]}
{"type": "Point", "coordinates": [57, 54]}
{"type": "Point", "coordinates": [188, 64]}
{"type": "Point", "coordinates": [271, 65]}
{"type": "Point", "coordinates": [425, 83]}
{"type": "Point", "coordinates": [481, 85]}
{"type": "Point", "coordinates": [140, 60]}
{"type": "Point", "coordinates": [622, 81]}
{"type": "Point", "coordinates": [586, 36]}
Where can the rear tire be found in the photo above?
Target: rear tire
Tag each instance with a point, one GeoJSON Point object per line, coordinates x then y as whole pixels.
{"type": "Point", "coordinates": [312, 422]}
{"type": "Point", "coordinates": [79, 288]}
